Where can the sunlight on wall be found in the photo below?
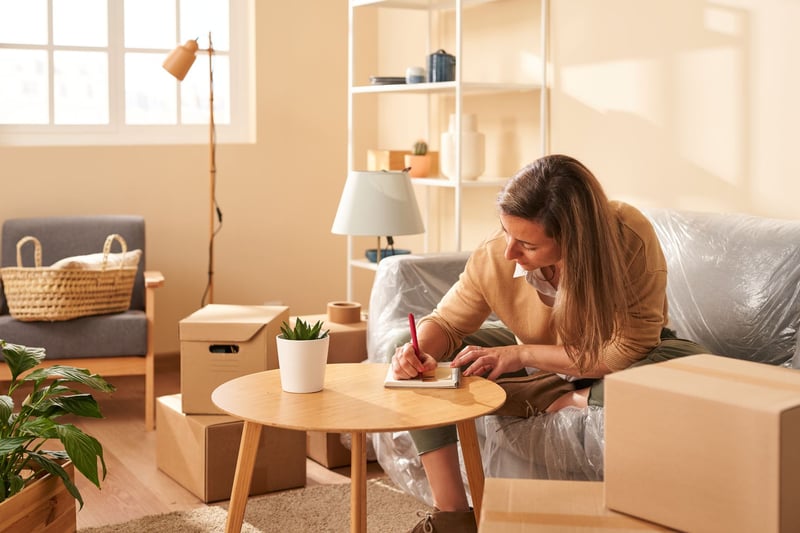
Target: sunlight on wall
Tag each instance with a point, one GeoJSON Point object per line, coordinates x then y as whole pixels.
{"type": "Point", "coordinates": [710, 122]}
{"type": "Point", "coordinates": [629, 86]}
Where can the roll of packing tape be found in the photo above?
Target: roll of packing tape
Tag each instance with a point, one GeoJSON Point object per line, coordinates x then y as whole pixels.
{"type": "Point", "coordinates": [344, 312]}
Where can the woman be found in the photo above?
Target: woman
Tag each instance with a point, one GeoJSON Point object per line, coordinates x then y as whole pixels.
{"type": "Point", "coordinates": [579, 280]}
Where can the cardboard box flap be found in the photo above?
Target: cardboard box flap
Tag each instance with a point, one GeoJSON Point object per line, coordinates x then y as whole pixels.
{"type": "Point", "coordinates": [236, 323]}
{"type": "Point", "coordinates": [512, 505]}
{"type": "Point", "coordinates": [721, 379]}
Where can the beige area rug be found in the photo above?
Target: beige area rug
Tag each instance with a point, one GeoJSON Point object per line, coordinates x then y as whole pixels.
{"type": "Point", "coordinates": [321, 508]}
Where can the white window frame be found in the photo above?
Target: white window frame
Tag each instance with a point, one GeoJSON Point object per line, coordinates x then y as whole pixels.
{"type": "Point", "coordinates": [242, 99]}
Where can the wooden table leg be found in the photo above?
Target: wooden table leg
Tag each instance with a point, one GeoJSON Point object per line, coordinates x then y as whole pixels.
{"type": "Point", "coordinates": [358, 482]}
{"type": "Point", "coordinates": [472, 462]}
{"type": "Point", "coordinates": [251, 434]}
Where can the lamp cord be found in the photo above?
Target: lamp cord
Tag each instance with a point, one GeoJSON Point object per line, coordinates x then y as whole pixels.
{"type": "Point", "coordinates": [213, 174]}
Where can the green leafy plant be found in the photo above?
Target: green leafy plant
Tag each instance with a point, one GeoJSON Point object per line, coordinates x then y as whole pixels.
{"type": "Point", "coordinates": [420, 148]}
{"type": "Point", "coordinates": [302, 331]}
{"type": "Point", "coordinates": [24, 432]}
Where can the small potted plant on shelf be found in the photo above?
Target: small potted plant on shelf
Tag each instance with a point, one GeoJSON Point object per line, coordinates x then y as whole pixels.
{"type": "Point", "coordinates": [418, 162]}
{"type": "Point", "coordinates": [302, 356]}
{"type": "Point", "coordinates": [25, 466]}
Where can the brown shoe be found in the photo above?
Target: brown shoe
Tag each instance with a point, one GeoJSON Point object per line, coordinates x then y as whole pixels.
{"type": "Point", "coordinates": [531, 395]}
{"type": "Point", "coordinates": [446, 522]}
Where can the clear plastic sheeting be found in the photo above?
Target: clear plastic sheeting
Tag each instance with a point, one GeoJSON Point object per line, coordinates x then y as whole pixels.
{"type": "Point", "coordinates": [406, 284]}
{"type": "Point", "coordinates": [398, 457]}
{"type": "Point", "coordinates": [733, 286]}
{"type": "Point", "coordinates": [567, 444]}
{"type": "Point", "coordinates": [734, 282]}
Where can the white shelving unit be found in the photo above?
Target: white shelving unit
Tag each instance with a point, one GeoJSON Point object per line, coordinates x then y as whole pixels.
{"type": "Point", "coordinates": [456, 91]}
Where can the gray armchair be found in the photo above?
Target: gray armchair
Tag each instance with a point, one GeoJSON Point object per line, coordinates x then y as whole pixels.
{"type": "Point", "coordinates": [117, 344]}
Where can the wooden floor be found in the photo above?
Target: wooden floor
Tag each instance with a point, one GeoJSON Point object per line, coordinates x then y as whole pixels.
{"type": "Point", "coordinates": [135, 487]}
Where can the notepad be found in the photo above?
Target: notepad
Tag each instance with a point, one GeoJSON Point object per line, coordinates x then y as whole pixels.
{"type": "Point", "coordinates": [442, 377]}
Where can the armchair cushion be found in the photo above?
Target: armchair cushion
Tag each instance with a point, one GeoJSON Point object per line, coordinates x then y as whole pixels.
{"type": "Point", "coordinates": [95, 261]}
{"type": "Point", "coordinates": [117, 334]}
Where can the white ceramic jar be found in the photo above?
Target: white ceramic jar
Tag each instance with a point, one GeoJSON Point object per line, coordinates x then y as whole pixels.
{"type": "Point", "coordinates": [473, 147]}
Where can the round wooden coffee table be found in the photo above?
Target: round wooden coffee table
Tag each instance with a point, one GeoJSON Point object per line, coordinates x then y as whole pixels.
{"type": "Point", "coordinates": [353, 401]}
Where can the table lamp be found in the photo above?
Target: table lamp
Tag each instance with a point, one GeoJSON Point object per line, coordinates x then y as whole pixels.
{"type": "Point", "coordinates": [178, 63]}
{"type": "Point", "coordinates": [377, 203]}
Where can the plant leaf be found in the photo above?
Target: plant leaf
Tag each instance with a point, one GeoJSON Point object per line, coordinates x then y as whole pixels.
{"type": "Point", "coordinates": [43, 428]}
{"type": "Point", "coordinates": [6, 408]}
{"type": "Point", "coordinates": [10, 486]}
{"type": "Point", "coordinates": [77, 404]}
{"type": "Point", "coordinates": [9, 445]}
{"type": "Point", "coordinates": [83, 450]}
{"type": "Point", "coordinates": [71, 374]}
{"type": "Point", "coordinates": [54, 468]}
{"type": "Point", "coordinates": [21, 358]}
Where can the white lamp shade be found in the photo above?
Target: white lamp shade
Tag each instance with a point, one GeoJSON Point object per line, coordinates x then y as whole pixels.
{"type": "Point", "coordinates": [180, 60]}
{"type": "Point", "coordinates": [378, 203]}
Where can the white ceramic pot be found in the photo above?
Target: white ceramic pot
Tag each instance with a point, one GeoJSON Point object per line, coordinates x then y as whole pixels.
{"type": "Point", "coordinates": [473, 147]}
{"type": "Point", "coordinates": [302, 364]}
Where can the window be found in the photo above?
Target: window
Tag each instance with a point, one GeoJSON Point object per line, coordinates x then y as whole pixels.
{"type": "Point", "coordinates": [89, 71]}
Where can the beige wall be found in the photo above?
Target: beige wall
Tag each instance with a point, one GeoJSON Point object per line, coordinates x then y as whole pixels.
{"type": "Point", "coordinates": [675, 103]}
{"type": "Point", "coordinates": [682, 103]}
{"type": "Point", "coordinates": [278, 196]}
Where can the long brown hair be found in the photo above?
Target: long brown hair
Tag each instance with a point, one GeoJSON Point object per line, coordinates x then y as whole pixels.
{"type": "Point", "coordinates": [563, 196]}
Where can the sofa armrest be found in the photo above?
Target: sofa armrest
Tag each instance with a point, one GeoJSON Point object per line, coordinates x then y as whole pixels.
{"type": "Point", "coordinates": [153, 279]}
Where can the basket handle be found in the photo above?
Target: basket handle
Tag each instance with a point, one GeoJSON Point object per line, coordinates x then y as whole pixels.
{"type": "Point", "coordinates": [107, 249]}
{"type": "Point", "coordinates": [37, 253]}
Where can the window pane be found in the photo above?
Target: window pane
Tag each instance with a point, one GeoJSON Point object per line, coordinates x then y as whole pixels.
{"type": "Point", "coordinates": [23, 22]}
{"type": "Point", "coordinates": [80, 22]}
{"type": "Point", "coordinates": [150, 91]}
{"type": "Point", "coordinates": [198, 17]}
{"type": "Point", "coordinates": [150, 24]}
{"type": "Point", "coordinates": [80, 87]}
{"type": "Point", "coordinates": [24, 91]}
{"type": "Point", "coordinates": [195, 92]}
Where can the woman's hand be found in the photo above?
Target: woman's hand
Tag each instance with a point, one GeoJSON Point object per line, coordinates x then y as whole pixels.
{"type": "Point", "coordinates": [489, 362]}
{"type": "Point", "coordinates": [406, 364]}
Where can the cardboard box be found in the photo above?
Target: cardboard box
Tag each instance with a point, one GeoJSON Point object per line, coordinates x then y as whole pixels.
{"type": "Point", "coordinates": [395, 160]}
{"type": "Point", "coordinates": [386, 159]}
{"type": "Point", "coordinates": [223, 342]}
{"type": "Point", "coordinates": [705, 443]}
{"type": "Point", "coordinates": [348, 344]}
{"type": "Point", "coordinates": [327, 449]}
{"type": "Point", "coordinates": [200, 452]}
{"type": "Point", "coordinates": [522, 505]}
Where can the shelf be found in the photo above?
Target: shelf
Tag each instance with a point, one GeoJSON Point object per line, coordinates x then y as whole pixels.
{"type": "Point", "coordinates": [446, 87]}
{"type": "Point", "coordinates": [422, 5]}
{"type": "Point", "coordinates": [363, 263]}
{"type": "Point", "coordinates": [491, 93]}
{"type": "Point", "coordinates": [447, 183]}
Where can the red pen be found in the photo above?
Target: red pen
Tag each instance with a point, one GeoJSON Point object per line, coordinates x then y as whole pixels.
{"type": "Point", "coordinates": [413, 327]}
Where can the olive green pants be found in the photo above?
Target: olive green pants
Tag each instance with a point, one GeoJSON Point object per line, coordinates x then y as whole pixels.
{"type": "Point", "coordinates": [671, 347]}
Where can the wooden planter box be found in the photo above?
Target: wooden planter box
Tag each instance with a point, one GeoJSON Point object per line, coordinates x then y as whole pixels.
{"type": "Point", "coordinates": [43, 506]}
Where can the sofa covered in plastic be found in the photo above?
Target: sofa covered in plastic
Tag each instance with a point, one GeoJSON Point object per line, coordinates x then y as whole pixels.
{"type": "Point", "coordinates": [733, 286]}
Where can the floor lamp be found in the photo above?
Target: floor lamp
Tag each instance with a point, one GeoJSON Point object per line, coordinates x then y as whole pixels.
{"type": "Point", "coordinates": [178, 63]}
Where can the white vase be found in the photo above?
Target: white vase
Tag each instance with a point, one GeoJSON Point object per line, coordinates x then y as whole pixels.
{"type": "Point", "coordinates": [473, 147]}
{"type": "Point", "coordinates": [302, 364]}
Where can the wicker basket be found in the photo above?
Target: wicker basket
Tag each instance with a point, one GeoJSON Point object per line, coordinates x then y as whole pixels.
{"type": "Point", "coordinates": [52, 294]}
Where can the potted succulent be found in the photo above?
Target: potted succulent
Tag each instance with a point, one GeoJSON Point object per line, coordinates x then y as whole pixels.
{"type": "Point", "coordinates": [418, 162]}
{"type": "Point", "coordinates": [302, 356]}
{"type": "Point", "coordinates": [26, 428]}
